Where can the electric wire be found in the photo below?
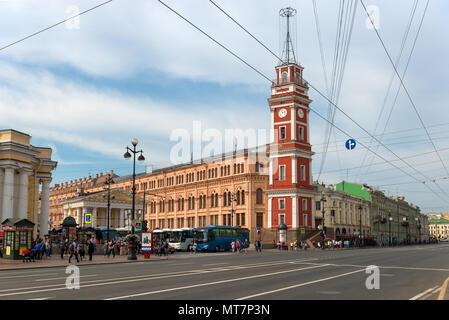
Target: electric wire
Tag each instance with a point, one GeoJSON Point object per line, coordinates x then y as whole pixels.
{"type": "Point", "coordinates": [319, 115]}
{"type": "Point", "coordinates": [403, 86]}
{"type": "Point", "coordinates": [54, 25]}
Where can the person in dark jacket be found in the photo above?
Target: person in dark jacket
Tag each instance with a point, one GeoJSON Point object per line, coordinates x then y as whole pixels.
{"type": "Point", "coordinates": [90, 249]}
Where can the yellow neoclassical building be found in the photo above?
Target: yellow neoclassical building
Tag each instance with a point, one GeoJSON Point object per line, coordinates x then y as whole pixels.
{"type": "Point", "coordinates": [25, 172]}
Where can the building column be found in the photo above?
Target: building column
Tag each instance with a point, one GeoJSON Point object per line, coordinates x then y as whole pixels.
{"type": "Point", "coordinates": [36, 206]}
{"type": "Point", "coordinates": [23, 195]}
{"type": "Point", "coordinates": [94, 217]}
{"type": "Point", "coordinates": [45, 208]}
{"type": "Point", "coordinates": [294, 167]}
{"type": "Point", "coordinates": [122, 218]}
{"type": "Point", "coordinates": [8, 194]}
{"type": "Point", "coordinates": [295, 216]}
{"type": "Point", "coordinates": [269, 212]}
{"type": "Point", "coordinates": [79, 216]}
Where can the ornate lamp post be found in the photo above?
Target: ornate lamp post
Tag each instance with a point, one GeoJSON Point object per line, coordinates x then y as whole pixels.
{"type": "Point", "coordinates": [132, 239]}
{"type": "Point", "coordinates": [108, 182]}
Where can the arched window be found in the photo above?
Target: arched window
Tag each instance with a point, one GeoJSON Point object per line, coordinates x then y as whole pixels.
{"type": "Point", "coordinates": [229, 198]}
{"type": "Point", "coordinates": [284, 77]}
{"type": "Point", "coordinates": [243, 196]}
{"type": "Point", "coordinates": [216, 200]}
{"type": "Point", "coordinates": [216, 172]}
{"type": "Point", "coordinates": [204, 202]}
{"type": "Point", "coordinates": [224, 199]}
{"type": "Point", "coordinates": [238, 197]}
{"type": "Point", "coordinates": [259, 196]}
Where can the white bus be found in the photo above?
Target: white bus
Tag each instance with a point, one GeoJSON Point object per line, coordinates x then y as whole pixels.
{"type": "Point", "coordinates": [181, 238]}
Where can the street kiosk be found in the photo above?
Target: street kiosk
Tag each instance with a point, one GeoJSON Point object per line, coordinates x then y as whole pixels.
{"type": "Point", "coordinates": [69, 229]}
{"type": "Point", "coordinates": [18, 234]}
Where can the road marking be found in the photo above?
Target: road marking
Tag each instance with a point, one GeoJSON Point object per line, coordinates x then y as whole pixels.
{"type": "Point", "coordinates": [214, 264]}
{"type": "Point", "coordinates": [299, 285]}
{"type": "Point", "coordinates": [130, 279]}
{"type": "Point", "coordinates": [92, 275]}
{"type": "Point", "coordinates": [423, 293]}
{"type": "Point", "coordinates": [384, 267]}
{"type": "Point", "coordinates": [443, 290]}
{"type": "Point", "coordinates": [29, 275]}
{"type": "Point", "coordinates": [41, 298]}
{"type": "Point", "coordinates": [212, 283]}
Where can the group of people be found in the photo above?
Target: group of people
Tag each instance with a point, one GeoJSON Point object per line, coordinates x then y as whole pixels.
{"type": "Point", "coordinates": [77, 248]}
{"type": "Point", "coordinates": [239, 246]}
{"type": "Point", "coordinates": [39, 249]}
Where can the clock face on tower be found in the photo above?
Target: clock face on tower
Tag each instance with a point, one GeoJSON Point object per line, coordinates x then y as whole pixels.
{"type": "Point", "coordinates": [300, 113]}
{"type": "Point", "coordinates": [282, 113]}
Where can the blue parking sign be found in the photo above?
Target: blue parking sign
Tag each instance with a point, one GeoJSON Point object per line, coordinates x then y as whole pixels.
{"type": "Point", "coordinates": [88, 218]}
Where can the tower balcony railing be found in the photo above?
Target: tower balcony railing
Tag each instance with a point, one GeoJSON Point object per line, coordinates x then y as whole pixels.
{"type": "Point", "coordinates": [297, 81]}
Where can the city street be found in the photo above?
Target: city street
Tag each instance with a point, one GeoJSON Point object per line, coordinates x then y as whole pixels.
{"type": "Point", "coordinates": [412, 272]}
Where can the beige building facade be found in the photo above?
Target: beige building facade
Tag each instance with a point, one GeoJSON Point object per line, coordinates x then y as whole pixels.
{"type": "Point", "coordinates": [25, 176]}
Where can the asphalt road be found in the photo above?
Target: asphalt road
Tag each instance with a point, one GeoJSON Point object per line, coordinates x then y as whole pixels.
{"type": "Point", "coordinates": [413, 272]}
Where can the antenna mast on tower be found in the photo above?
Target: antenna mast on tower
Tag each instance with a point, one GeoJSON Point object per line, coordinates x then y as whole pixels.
{"type": "Point", "coordinates": [288, 47]}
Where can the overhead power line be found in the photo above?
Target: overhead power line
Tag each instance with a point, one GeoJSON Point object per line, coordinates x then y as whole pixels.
{"type": "Point", "coordinates": [54, 25]}
{"type": "Point", "coordinates": [324, 96]}
{"type": "Point", "coordinates": [403, 85]}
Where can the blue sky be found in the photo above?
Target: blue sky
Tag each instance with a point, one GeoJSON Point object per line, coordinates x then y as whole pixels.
{"type": "Point", "coordinates": [137, 70]}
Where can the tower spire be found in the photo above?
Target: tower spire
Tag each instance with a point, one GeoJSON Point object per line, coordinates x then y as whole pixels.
{"type": "Point", "coordinates": [288, 53]}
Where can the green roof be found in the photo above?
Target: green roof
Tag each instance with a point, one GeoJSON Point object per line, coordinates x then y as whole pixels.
{"type": "Point", "coordinates": [356, 190]}
{"type": "Point", "coordinates": [438, 221]}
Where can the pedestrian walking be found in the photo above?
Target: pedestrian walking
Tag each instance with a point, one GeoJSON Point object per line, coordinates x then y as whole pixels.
{"type": "Point", "coordinates": [106, 249]}
{"type": "Point", "coordinates": [233, 246]}
{"type": "Point", "coordinates": [246, 246]}
{"type": "Point", "coordinates": [90, 249]}
{"type": "Point", "coordinates": [194, 247]}
{"type": "Point", "coordinates": [81, 251]}
{"type": "Point", "coordinates": [237, 245]}
{"type": "Point", "coordinates": [111, 249]}
{"type": "Point", "coordinates": [74, 251]}
{"type": "Point", "coordinates": [47, 248]}
{"type": "Point", "coordinates": [259, 244]}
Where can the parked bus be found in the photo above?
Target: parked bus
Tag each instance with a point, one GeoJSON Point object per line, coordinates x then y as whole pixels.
{"type": "Point", "coordinates": [181, 238]}
{"type": "Point", "coordinates": [219, 238]}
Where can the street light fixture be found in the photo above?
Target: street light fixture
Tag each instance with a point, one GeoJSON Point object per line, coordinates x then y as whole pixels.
{"type": "Point", "coordinates": [127, 155]}
{"type": "Point", "coordinates": [108, 182]}
{"type": "Point", "coordinates": [360, 218]}
{"type": "Point", "coordinates": [390, 219]}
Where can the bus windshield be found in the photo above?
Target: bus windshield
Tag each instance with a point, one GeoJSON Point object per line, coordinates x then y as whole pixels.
{"type": "Point", "coordinates": [200, 235]}
{"type": "Point", "coordinates": [175, 236]}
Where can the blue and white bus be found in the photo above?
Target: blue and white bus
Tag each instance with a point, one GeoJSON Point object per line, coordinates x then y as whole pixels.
{"type": "Point", "coordinates": [219, 238]}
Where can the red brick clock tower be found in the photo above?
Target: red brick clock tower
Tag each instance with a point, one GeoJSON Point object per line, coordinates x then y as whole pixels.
{"type": "Point", "coordinates": [290, 190]}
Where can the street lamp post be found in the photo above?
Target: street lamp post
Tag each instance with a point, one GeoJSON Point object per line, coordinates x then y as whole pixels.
{"type": "Point", "coordinates": [108, 182]}
{"type": "Point", "coordinates": [132, 248]}
{"type": "Point", "coordinates": [390, 218]}
{"type": "Point", "coordinates": [323, 200]}
{"type": "Point", "coordinates": [127, 155]}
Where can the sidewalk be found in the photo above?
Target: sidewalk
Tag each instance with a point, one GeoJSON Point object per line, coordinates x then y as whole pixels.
{"type": "Point", "coordinates": [56, 261]}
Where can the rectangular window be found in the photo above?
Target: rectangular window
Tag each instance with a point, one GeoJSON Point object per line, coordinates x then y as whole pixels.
{"type": "Point", "coordinates": [303, 173]}
{"type": "Point", "coordinates": [282, 134]}
{"type": "Point", "coordinates": [304, 219]}
{"type": "Point", "coordinates": [282, 172]}
{"type": "Point", "coordinates": [282, 219]}
{"type": "Point", "coordinates": [242, 219]}
{"type": "Point", "coordinates": [281, 204]}
{"type": "Point", "coordinates": [304, 204]}
{"type": "Point", "coordinates": [318, 205]}
{"type": "Point", "coordinates": [301, 133]}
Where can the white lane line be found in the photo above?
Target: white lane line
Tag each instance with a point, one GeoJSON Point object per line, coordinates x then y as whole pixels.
{"type": "Point", "coordinates": [29, 275]}
{"type": "Point", "coordinates": [131, 279]}
{"type": "Point", "coordinates": [215, 264]}
{"type": "Point", "coordinates": [41, 298]}
{"type": "Point", "coordinates": [423, 293]}
{"type": "Point", "coordinates": [91, 275]}
{"type": "Point", "coordinates": [437, 289]}
{"type": "Point", "coordinates": [213, 283]}
{"type": "Point", "coordinates": [299, 285]}
{"type": "Point", "coordinates": [385, 267]}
